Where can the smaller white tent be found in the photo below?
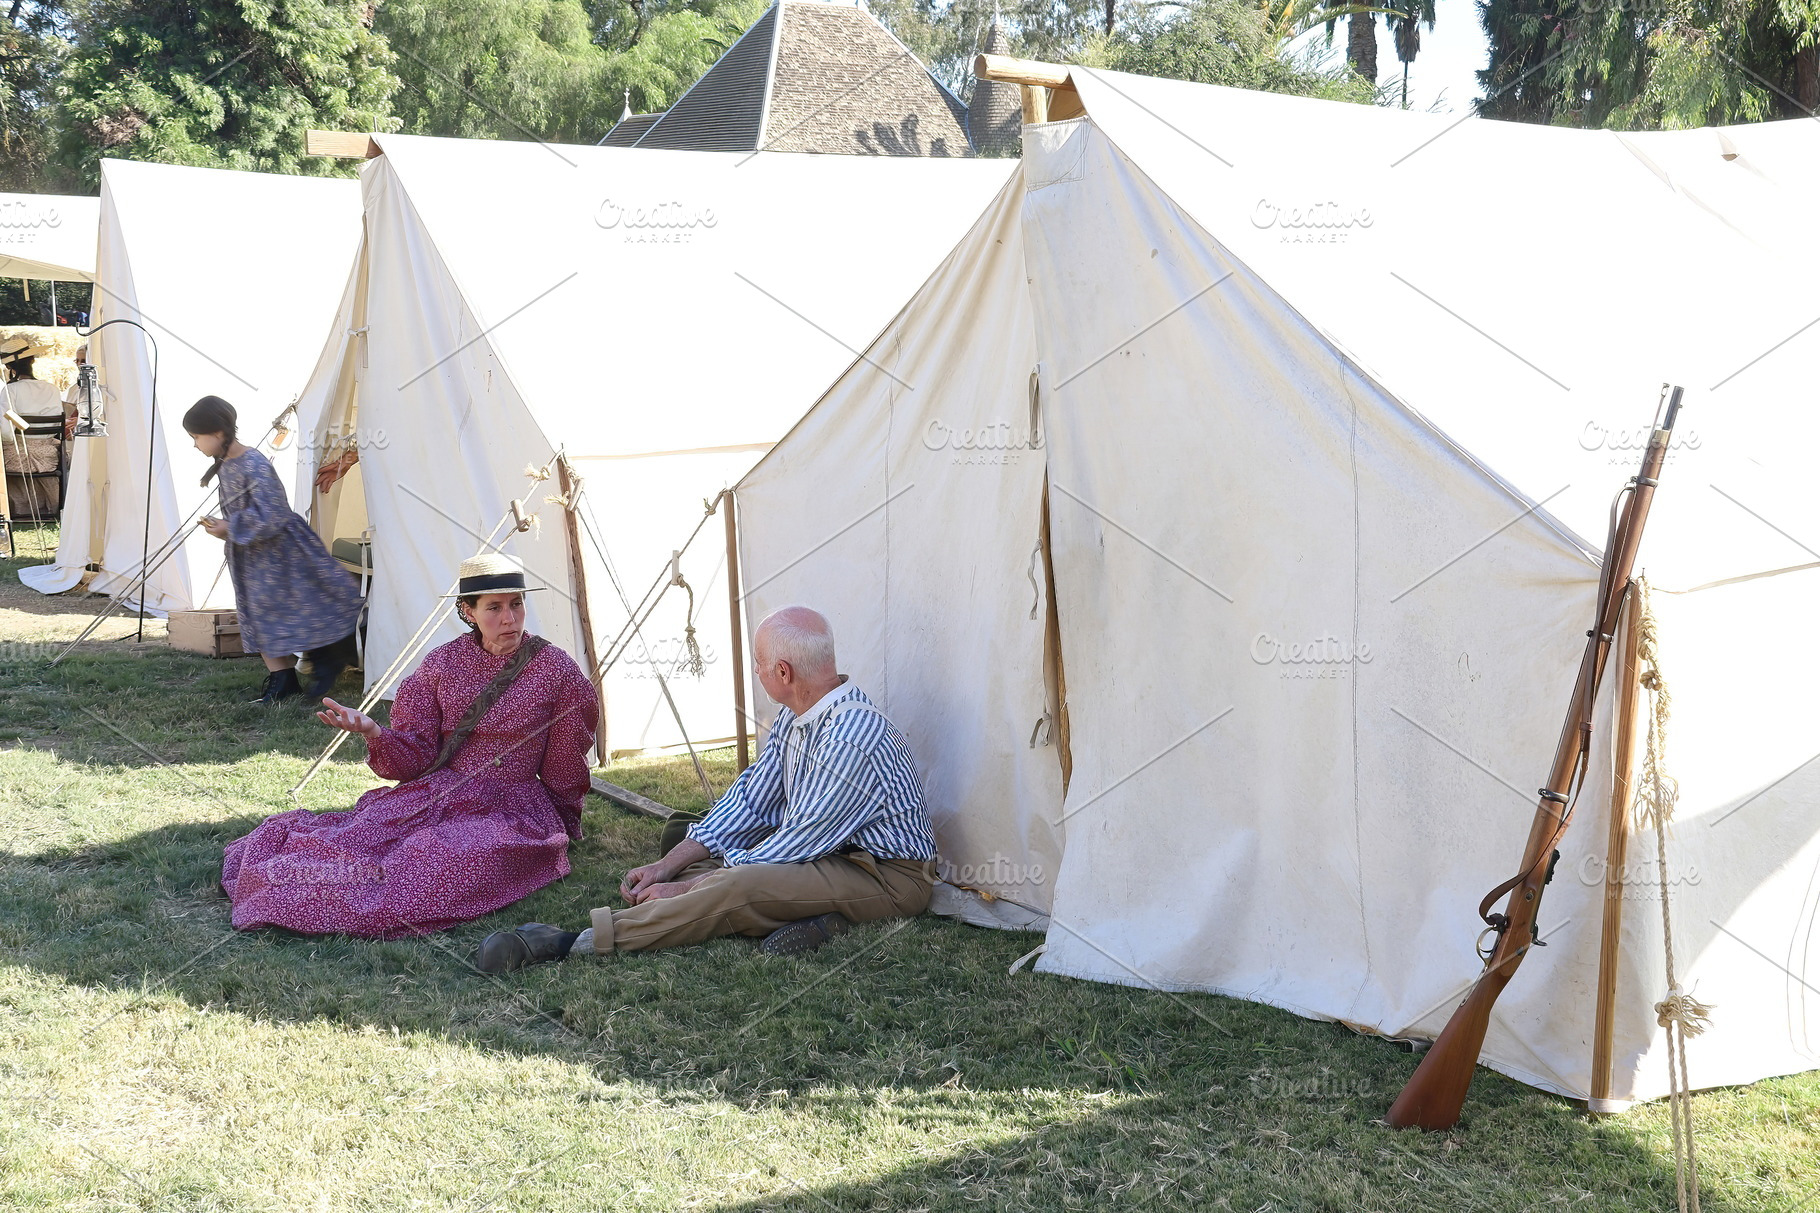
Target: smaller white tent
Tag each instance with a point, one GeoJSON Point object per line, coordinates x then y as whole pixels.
{"type": "Point", "coordinates": [235, 277]}
{"type": "Point", "coordinates": [660, 316]}
{"type": "Point", "coordinates": [48, 237]}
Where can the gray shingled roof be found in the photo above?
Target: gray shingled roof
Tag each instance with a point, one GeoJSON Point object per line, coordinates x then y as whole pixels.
{"type": "Point", "coordinates": [626, 131]}
{"type": "Point", "coordinates": [722, 111]}
{"type": "Point", "coordinates": [816, 77]}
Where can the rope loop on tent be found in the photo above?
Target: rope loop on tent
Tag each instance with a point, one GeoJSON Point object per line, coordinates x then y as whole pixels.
{"type": "Point", "coordinates": [1679, 1013]}
{"type": "Point", "coordinates": [633, 629]}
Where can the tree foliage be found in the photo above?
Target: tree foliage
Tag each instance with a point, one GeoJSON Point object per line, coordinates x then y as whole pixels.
{"type": "Point", "coordinates": [559, 70]}
{"type": "Point", "coordinates": [1647, 64]}
{"type": "Point", "coordinates": [1229, 42]}
{"type": "Point", "coordinates": [219, 83]}
{"type": "Point", "coordinates": [31, 48]}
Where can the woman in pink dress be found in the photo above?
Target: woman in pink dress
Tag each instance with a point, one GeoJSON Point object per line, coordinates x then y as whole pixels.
{"type": "Point", "coordinates": [490, 740]}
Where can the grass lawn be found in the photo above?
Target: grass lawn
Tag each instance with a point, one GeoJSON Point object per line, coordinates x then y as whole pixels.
{"type": "Point", "coordinates": [151, 1058]}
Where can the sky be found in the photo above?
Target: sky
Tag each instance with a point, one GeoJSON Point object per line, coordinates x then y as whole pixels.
{"type": "Point", "coordinates": [1441, 78]}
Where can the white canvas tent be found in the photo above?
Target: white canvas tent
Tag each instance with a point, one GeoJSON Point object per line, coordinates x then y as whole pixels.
{"type": "Point", "coordinates": [48, 237]}
{"type": "Point", "coordinates": [660, 316]}
{"type": "Point", "coordinates": [1229, 561]}
{"type": "Point", "coordinates": [236, 275]}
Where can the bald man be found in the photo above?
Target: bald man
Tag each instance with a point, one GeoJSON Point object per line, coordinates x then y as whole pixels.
{"type": "Point", "coordinates": [826, 829]}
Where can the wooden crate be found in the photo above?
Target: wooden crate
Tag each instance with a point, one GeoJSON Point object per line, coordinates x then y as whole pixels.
{"type": "Point", "coordinates": [214, 633]}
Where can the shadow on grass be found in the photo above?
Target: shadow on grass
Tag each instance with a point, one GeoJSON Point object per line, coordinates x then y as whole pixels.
{"type": "Point", "coordinates": [1156, 1100]}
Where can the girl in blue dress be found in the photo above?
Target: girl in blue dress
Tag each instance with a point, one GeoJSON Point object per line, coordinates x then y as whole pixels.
{"type": "Point", "coordinates": [293, 597]}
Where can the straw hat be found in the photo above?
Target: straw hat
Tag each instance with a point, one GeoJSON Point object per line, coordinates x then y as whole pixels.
{"type": "Point", "coordinates": [491, 573]}
{"type": "Point", "coordinates": [18, 347]}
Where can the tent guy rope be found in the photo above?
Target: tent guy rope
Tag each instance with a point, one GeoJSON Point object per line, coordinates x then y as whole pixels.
{"type": "Point", "coordinates": [1679, 1013]}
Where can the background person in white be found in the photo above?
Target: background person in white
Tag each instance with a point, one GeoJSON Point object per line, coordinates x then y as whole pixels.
{"type": "Point", "coordinates": [827, 828]}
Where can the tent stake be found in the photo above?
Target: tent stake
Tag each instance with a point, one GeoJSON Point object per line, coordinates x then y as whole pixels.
{"type": "Point", "coordinates": [739, 640]}
{"type": "Point", "coordinates": [1617, 848]}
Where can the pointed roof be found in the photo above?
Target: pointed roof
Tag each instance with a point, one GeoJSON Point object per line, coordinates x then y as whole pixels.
{"type": "Point", "coordinates": [811, 76]}
{"type": "Point", "coordinates": [995, 115]}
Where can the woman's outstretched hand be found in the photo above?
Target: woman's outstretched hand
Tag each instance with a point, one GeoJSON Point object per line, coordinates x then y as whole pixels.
{"type": "Point", "coordinates": [348, 720]}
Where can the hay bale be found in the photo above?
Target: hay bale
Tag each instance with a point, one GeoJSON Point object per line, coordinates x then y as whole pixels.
{"type": "Point", "coordinates": [58, 367]}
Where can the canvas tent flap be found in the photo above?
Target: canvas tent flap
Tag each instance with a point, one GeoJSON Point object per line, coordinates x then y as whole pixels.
{"type": "Point", "coordinates": [278, 249]}
{"type": "Point", "coordinates": [1281, 543]}
{"type": "Point", "coordinates": [48, 237]}
{"type": "Point", "coordinates": [1528, 289]}
{"type": "Point", "coordinates": [922, 551]}
{"type": "Point", "coordinates": [662, 317]}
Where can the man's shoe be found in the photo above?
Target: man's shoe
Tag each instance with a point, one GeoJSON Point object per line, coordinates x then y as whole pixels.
{"type": "Point", "coordinates": [805, 935]}
{"type": "Point", "coordinates": [531, 944]}
{"type": "Point", "coordinates": [279, 684]}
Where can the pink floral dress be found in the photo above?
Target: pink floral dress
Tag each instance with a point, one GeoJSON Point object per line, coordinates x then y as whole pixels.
{"type": "Point", "coordinates": [488, 829]}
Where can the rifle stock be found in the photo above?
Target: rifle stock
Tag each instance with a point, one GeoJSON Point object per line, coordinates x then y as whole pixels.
{"type": "Point", "coordinates": [1436, 1092]}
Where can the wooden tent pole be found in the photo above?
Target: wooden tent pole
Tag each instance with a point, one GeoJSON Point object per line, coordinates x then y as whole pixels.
{"type": "Point", "coordinates": [1617, 849]}
{"type": "Point", "coordinates": [568, 484]}
{"type": "Point", "coordinates": [739, 638]}
{"type": "Point", "coordinates": [1008, 70]}
{"type": "Point", "coordinates": [1036, 104]}
{"type": "Point", "coordinates": [342, 145]}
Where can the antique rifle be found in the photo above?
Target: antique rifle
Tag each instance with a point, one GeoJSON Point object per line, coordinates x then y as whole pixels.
{"type": "Point", "coordinates": [1435, 1093]}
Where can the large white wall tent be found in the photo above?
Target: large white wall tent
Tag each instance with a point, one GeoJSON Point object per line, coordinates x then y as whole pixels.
{"type": "Point", "coordinates": [236, 277]}
{"type": "Point", "coordinates": [1222, 522]}
{"type": "Point", "coordinates": [662, 317]}
{"type": "Point", "coordinates": [48, 237]}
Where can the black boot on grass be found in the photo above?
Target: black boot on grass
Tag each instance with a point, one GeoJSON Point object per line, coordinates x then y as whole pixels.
{"type": "Point", "coordinates": [279, 684]}
{"type": "Point", "coordinates": [326, 665]}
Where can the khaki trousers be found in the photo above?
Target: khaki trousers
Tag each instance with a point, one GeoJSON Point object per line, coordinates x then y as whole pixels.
{"type": "Point", "coordinates": [758, 898]}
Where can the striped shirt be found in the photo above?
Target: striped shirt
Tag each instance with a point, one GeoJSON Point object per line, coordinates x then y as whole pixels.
{"type": "Point", "coordinates": [836, 778]}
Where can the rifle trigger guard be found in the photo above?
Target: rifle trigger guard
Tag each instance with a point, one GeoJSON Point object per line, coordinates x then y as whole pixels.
{"type": "Point", "coordinates": [1496, 928]}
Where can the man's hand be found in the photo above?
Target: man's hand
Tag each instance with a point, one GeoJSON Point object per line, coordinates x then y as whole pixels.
{"type": "Point", "coordinates": [668, 888]}
{"type": "Point", "coordinates": [639, 883]}
{"type": "Point", "coordinates": [633, 887]}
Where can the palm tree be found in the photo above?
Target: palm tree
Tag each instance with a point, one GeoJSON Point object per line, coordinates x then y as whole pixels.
{"type": "Point", "coordinates": [1290, 19]}
{"type": "Point", "coordinates": [1406, 20]}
